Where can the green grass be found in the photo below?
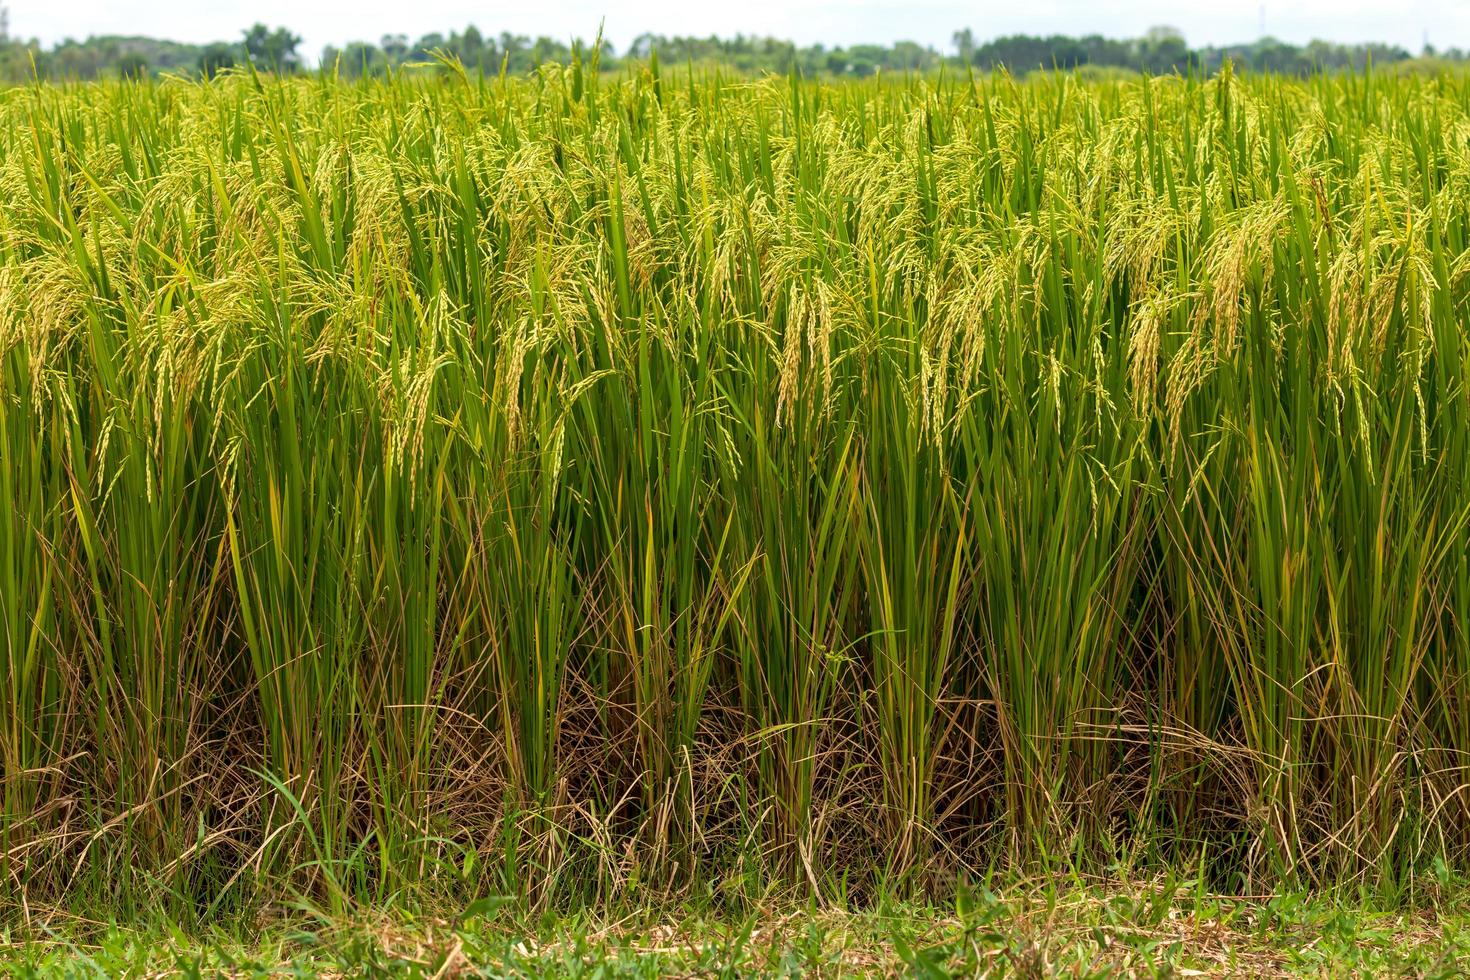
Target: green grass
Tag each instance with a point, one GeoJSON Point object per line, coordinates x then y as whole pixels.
{"type": "Point", "coordinates": [1155, 928]}
{"type": "Point", "coordinates": [598, 491]}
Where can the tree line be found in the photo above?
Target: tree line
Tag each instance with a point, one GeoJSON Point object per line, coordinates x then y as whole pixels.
{"type": "Point", "coordinates": [1160, 50]}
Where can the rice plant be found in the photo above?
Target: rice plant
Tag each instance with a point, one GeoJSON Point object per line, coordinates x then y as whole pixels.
{"type": "Point", "coordinates": [589, 485]}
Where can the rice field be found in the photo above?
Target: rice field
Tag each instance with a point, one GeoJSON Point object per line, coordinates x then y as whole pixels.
{"type": "Point", "coordinates": [593, 488]}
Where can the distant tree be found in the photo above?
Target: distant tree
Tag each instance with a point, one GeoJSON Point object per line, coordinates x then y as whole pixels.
{"type": "Point", "coordinates": [864, 59]}
{"type": "Point", "coordinates": [907, 56]}
{"type": "Point", "coordinates": [1269, 54]}
{"type": "Point", "coordinates": [642, 45]}
{"type": "Point", "coordinates": [546, 49]}
{"type": "Point", "coordinates": [395, 46]}
{"type": "Point", "coordinates": [366, 58]}
{"type": "Point", "coordinates": [275, 50]}
{"type": "Point", "coordinates": [1163, 49]}
{"type": "Point", "coordinates": [132, 65]}
{"type": "Point", "coordinates": [470, 46]}
{"type": "Point", "coordinates": [215, 58]}
{"type": "Point", "coordinates": [964, 44]}
{"type": "Point", "coordinates": [1022, 52]}
{"type": "Point", "coordinates": [512, 46]}
{"type": "Point", "coordinates": [1160, 51]}
{"type": "Point", "coordinates": [1163, 34]}
{"type": "Point", "coordinates": [257, 39]}
{"type": "Point", "coordinates": [427, 45]}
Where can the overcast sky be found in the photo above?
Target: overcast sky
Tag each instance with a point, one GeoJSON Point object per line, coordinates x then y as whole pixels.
{"type": "Point", "coordinates": [1407, 22]}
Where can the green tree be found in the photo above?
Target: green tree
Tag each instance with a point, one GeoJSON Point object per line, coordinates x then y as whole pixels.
{"type": "Point", "coordinates": [964, 44]}
{"type": "Point", "coordinates": [215, 58]}
{"type": "Point", "coordinates": [1163, 49]}
{"type": "Point", "coordinates": [395, 46]}
{"type": "Point", "coordinates": [470, 46]}
{"type": "Point", "coordinates": [132, 65]}
{"type": "Point", "coordinates": [275, 50]}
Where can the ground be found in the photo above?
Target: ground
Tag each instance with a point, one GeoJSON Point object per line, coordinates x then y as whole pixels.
{"type": "Point", "coordinates": [1072, 930]}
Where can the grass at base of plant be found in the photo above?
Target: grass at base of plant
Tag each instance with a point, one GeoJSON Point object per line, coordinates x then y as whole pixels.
{"type": "Point", "coordinates": [1033, 928]}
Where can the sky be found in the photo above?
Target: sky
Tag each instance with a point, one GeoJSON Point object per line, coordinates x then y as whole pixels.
{"type": "Point", "coordinates": [1444, 23]}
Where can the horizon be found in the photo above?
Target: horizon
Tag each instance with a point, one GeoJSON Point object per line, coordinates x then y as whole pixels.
{"type": "Point", "coordinates": [1214, 24]}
